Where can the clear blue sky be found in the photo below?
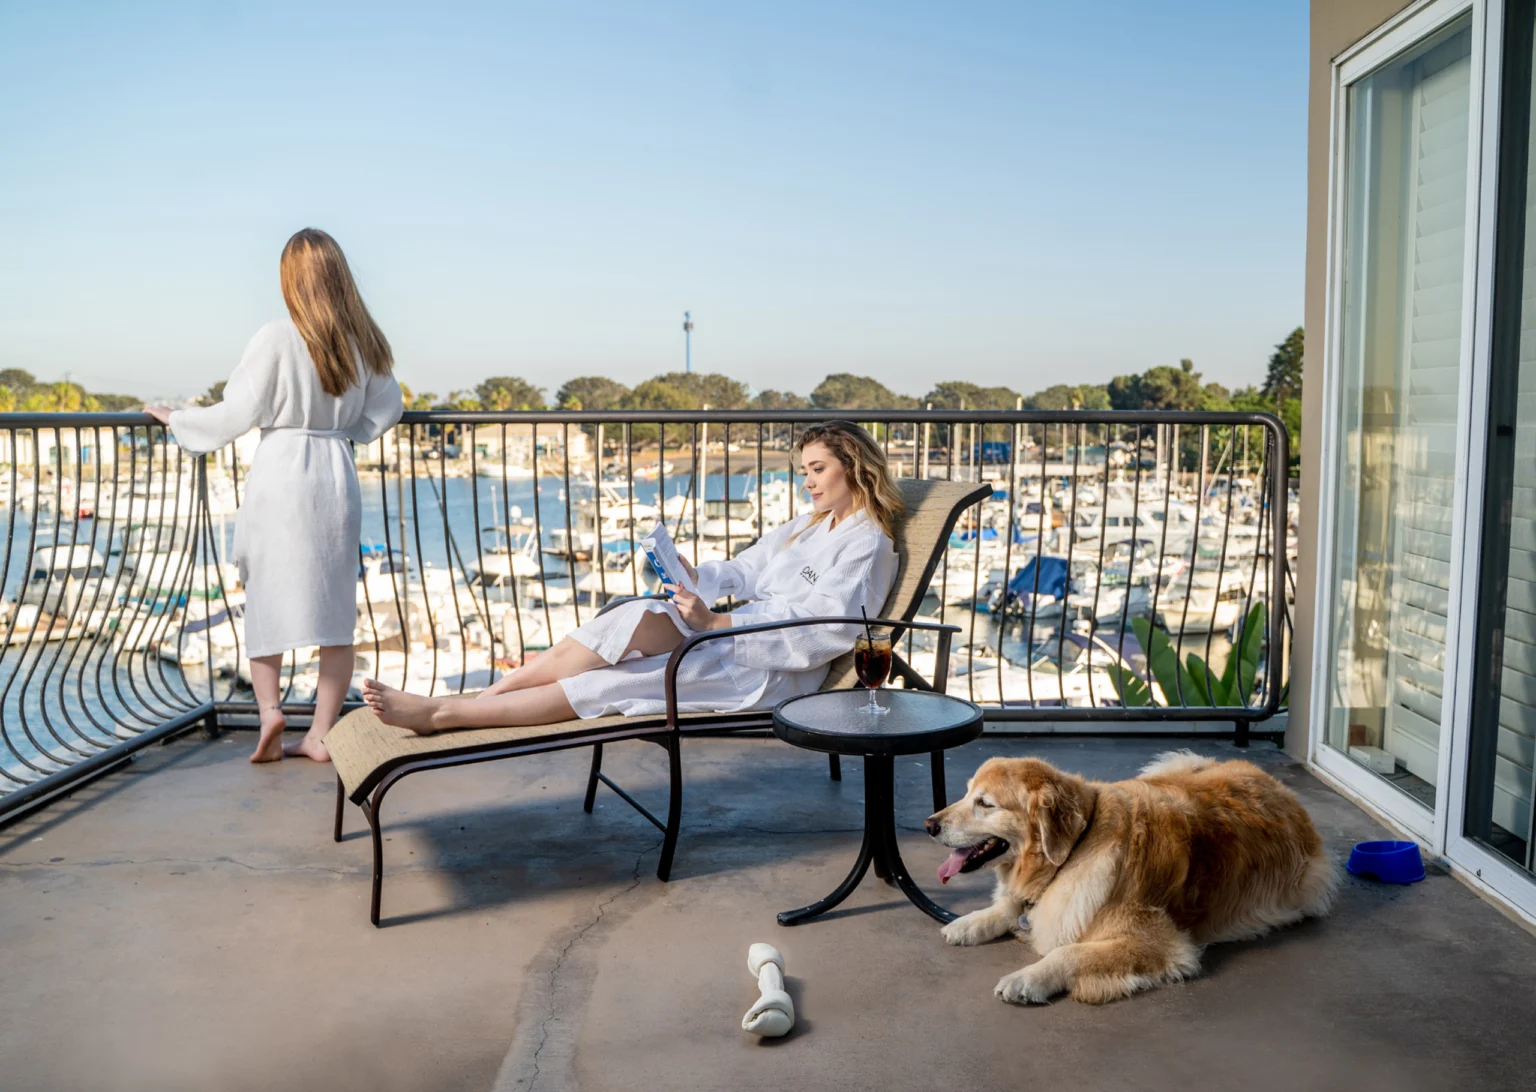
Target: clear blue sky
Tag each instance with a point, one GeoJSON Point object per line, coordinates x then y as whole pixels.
{"type": "Point", "coordinates": [1015, 193]}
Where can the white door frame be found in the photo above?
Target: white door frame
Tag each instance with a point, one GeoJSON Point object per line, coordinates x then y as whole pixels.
{"type": "Point", "coordinates": [1388, 42]}
{"type": "Point", "coordinates": [1479, 865]}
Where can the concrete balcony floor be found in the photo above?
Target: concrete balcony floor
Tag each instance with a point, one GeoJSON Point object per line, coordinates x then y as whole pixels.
{"type": "Point", "coordinates": [189, 924]}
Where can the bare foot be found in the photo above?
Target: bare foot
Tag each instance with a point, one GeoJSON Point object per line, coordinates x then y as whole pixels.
{"type": "Point", "coordinates": [402, 710]}
{"type": "Point", "coordinates": [269, 748]}
{"type": "Point", "coordinates": [308, 747]}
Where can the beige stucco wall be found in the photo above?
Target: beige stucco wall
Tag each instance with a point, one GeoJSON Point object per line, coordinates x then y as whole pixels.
{"type": "Point", "coordinates": [1336, 25]}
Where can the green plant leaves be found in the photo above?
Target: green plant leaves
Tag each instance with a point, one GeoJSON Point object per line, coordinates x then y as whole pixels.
{"type": "Point", "coordinates": [1193, 682]}
{"type": "Point", "coordinates": [1133, 692]}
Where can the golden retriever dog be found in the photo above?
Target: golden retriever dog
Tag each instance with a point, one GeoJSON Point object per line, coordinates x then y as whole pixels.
{"type": "Point", "coordinates": [1124, 883]}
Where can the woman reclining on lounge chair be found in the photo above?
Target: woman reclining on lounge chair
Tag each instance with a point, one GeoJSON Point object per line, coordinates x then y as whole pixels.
{"type": "Point", "coordinates": [830, 562]}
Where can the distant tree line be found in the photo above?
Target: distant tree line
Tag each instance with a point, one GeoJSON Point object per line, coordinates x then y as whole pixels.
{"type": "Point", "coordinates": [21, 392]}
{"type": "Point", "coordinates": [1165, 387]}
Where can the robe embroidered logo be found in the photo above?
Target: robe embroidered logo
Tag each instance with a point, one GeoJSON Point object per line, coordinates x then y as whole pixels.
{"type": "Point", "coordinates": [809, 574]}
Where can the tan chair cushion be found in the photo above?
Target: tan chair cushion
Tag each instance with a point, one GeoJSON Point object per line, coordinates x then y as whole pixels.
{"type": "Point", "coordinates": [364, 748]}
{"type": "Point", "coordinates": [360, 743]}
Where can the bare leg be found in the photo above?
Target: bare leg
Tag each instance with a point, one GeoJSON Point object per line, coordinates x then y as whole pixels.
{"type": "Point", "coordinates": [266, 680]}
{"type": "Point", "coordinates": [336, 663]}
{"type": "Point", "coordinates": [654, 635]}
{"type": "Point", "coordinates": [568, 657]}
{"type": "Point", "coordinates": [544, 704]}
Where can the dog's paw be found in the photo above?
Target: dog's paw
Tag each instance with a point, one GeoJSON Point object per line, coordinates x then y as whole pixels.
{"type": "Point", "coordinates": [1024, 987]}
{"type": "Point", "coordinates": [977, 927]}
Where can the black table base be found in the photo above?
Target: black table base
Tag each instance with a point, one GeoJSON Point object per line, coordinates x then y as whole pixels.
{"type": "Point", "coordinates": [878, 849]}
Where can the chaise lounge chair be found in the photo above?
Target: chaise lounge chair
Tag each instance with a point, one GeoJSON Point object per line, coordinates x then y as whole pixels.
{"type": "Point", "coordinates": [370, 756]}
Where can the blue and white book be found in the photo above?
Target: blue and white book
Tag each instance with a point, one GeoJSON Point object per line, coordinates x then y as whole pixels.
{"type": "Point", "coordinates": [662, 553]}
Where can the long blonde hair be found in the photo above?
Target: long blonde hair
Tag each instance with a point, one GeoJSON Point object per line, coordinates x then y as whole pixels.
{"type": "Point", "coordinates": [324, 304]}
{"type": "Point", "coordinates": [863, 461]}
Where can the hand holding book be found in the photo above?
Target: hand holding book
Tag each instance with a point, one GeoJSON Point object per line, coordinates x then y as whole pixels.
{"type": "Point", "coordinates": [695, 613]}
{"type": "Point", "coordinates": [664, 558]}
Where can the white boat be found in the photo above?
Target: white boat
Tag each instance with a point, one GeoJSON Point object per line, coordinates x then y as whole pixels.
{"type": "Point", "coordinates": [507, 554]}
{"type": "Point", "coordinates": [678, 510]}
{"type": "Point", "coordinates": [531, 630]}
{"type": "Point", "coordinates": [957, 583]}
{"type": "Point", "coordinates": [212, 639]}
{"type": "Point", "coordinates": [175, 574]}
{"type": "Point", "coordinates": [61, 575]}
{"type": "Point", "coordinates": [1200, 602]}
{"type": "Point", "coordinates": [976, 672]}
{"type": "Point", "coordinates": [650, 471]}
{"type": "Point", "coordinates": [607, 514]}
{"type": "Point", "coordinates": [555, 591]}
{"type": "Point", "coordinates": [1129, 572]}
{"type": "Point", "coordinates": [1063, 672]}
{"type": "Point", "coordinates": [1074, 669]}
{"type": "Point", "coordinates": [169, 496]}
{"type": "Point", "coordinates": [734, 519]}
{"type": "Point", "coordinates": [24, 624]}
{"type": "Point", "coordinates": [384, 577]}
{"type": "Point", "coordinates": [616, 501]}
{"type": "Point", "coordinates": [621, 574]}
{"type": "Point", "coordinates": [1109, 600]}
{"type": "Point", "coordinates": [498, 470]}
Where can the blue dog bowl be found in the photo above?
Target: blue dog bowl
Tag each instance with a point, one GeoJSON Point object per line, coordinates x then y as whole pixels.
{"type": "Point", "coordinates": [1389, 862]}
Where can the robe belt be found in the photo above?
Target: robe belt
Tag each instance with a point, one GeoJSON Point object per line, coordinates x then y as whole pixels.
{"type": "Point", "coordinates": [323, 433]}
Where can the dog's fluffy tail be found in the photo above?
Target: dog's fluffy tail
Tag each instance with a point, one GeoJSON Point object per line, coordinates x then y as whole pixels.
{"type": "Point", "coordinates": [1177, 762]}
{"type": "Point", "coordinates": [1319, 885]}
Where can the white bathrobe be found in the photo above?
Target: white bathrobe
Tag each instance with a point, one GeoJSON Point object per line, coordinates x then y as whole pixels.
{"type": "Point", "coordinates": [822, 572]}
{"type": "Point", "coordinates": [296, 534]}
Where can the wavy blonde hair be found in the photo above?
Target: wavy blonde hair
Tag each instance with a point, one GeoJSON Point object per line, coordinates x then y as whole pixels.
{"type": "Point", "coordinates": [863, 461]}
{"type": "Point", "coordinates": [325, 305]}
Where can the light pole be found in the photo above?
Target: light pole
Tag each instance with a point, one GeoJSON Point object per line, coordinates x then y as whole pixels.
{"type": "Point", "coordinates": [688, 342]}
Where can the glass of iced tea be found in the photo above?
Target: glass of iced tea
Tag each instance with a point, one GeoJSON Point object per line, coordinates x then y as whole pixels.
{"type": "Point", "coordinates": [872, 663]}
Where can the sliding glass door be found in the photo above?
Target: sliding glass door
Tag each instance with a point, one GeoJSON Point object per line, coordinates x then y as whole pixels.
{"type": "Point", "coordinates": [1501, 752]}
{"type": "Point", "coordinates": [1399, 368]}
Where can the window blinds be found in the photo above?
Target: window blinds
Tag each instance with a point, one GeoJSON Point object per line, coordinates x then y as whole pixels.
{"type": "Point", "coordinates": [1437, 199]}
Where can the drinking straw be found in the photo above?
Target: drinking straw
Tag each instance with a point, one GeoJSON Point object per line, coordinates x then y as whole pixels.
{"type": "Point", "coordinates": [868, 636]}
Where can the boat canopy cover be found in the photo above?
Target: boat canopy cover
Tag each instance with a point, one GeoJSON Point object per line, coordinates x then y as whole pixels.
{"type": "Point", "coordinates": [1111, 642]}
{"type": "Point", "coordinates": [1053, 577]}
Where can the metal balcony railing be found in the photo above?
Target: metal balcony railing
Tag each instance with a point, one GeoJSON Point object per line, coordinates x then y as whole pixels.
{"type": "Point", "coordinates": [1130, 568]}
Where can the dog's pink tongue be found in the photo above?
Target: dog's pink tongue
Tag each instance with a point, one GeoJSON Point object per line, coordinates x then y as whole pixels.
{"type": "Point", "coordinates": [952, 863]}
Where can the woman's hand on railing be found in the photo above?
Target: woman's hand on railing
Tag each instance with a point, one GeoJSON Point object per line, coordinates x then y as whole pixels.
{"type": "Point", "coordinates": [159, 413]}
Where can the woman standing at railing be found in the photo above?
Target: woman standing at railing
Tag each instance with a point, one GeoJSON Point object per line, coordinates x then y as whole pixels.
{"type": "Point", "coordinates": [311, 383]}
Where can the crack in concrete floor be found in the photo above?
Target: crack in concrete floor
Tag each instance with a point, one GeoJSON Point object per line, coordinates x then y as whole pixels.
{"type": "Point", "coordinates": [562, 999]}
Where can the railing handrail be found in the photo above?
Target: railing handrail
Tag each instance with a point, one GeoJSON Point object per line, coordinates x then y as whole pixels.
{"type": "Point", "coordinates": [741, 416]}
{"type": "Point", "coordinates": [75, 420]}
{"type": "Point", "coordinates": [873, 416]}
